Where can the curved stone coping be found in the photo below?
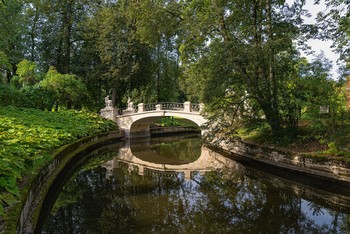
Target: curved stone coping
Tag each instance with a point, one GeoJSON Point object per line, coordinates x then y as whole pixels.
{"type": "Point", "coordinates": [328, 169]}
{"type": "Point", "coordinates": [27, 211]}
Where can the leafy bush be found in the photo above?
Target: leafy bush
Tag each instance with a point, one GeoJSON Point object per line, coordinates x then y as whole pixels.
{"type": "Point", "coordinates": [30, 97]}
{"type": "Point", "coordinates": [9, 95]}
{"type": "Point", "coordinates": [28, 136]}
{"type": "Point", "coordinates": [37, 97]}
{"type": "Point", "coordinates": [65, 88]}
{"type": "Point", "coordinates": [26, 70]}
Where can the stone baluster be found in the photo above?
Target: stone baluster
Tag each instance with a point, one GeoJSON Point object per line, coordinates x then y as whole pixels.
{"type": "Point", "coordinates": [187, 107]}
{"type": "Point", "coordinates": [201, 107]}
{"type": "Point", "coordinates": [141, 107]}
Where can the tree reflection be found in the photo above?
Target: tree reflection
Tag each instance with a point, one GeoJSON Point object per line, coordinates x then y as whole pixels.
{"type": "Point", "coordinates": [221, 201]}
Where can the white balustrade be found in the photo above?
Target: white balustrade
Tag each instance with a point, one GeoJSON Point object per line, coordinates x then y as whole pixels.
{"type": "Point", "coordinates": [142, 107]}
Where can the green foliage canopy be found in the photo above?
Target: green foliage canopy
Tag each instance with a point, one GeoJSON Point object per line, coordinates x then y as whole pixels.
{"type": "Point", "coordinates": [66, 87]}
{"type": "Point", "coordinates": [26, 70]}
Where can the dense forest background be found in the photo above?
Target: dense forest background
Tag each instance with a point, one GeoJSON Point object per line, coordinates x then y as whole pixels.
{"type": "Point", "coordinates": [241, 58]}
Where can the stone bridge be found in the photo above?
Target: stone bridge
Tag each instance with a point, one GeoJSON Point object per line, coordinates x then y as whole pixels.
{"type": "Point", "coordinates": [135, 120]}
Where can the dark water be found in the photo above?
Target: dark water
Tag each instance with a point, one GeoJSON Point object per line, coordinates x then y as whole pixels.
{"type": "Point", "coordinates": [178, 186]}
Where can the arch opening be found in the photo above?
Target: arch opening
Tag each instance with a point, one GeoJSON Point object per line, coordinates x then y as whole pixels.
{"type": "Point", "coordinates": [145, 127]}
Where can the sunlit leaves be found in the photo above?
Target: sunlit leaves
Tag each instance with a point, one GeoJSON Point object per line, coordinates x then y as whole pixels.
{"type": "Point", "coordinates": [26, 70]}
{"type": "Point", "coordinates": [66, 87]}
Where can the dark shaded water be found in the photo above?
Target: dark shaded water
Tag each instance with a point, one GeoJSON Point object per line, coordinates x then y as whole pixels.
{"type": "Point", "coordinates": [178, 186]}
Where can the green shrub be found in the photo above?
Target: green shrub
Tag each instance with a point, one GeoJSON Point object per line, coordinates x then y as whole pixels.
{"type": "Point", "coordinates": [9, 95]}
{"type": "Point", "coordinates": [37, 97]}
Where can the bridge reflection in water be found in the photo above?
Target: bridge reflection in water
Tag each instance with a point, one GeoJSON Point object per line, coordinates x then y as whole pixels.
{"type": "Point", "coordinates": [140, 157]}
{"type": "Point", "coordinates": [232, 198]}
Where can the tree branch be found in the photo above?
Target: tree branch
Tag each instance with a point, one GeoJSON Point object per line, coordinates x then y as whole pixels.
{"type": "Point", "coordinates": [171, 13]}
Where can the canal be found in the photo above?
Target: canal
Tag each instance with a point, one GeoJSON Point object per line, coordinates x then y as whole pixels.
{"type": "Point", "coordinates": [176, 185]}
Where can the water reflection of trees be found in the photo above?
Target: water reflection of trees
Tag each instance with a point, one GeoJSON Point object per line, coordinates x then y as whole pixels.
{"type": "Point", "coordinates": [217, 202]}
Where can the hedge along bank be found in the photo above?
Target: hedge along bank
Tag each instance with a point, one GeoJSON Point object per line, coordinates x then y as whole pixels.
{"type": "Point", "coordinates": [24, 215]}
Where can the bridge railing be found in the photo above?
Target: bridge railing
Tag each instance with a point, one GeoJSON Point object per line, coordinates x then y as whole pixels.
{"type": "Point", "coordinates": [150, 107]}
{"type": "Point", "coordinates": [143, 107]}
{"type": "Point", "coordinates": [172, 106]}
{"type": "Point", "coordinates": [195, 107]}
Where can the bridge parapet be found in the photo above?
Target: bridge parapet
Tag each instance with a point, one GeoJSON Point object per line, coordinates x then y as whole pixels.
{"type": "Point", "coordinates": [144, 107]}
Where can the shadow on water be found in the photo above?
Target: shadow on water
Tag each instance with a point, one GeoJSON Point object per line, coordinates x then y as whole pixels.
{"type": "Point", "coordinates": [176, 185]}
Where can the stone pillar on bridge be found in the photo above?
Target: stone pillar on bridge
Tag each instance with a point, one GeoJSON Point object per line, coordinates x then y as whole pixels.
{"type": "Point", "coordinates": [201, 107]}
{"type": "Point", "coordinates": [187, 106]}
{"type": "Point", "coordinates": [109, 112]}
{"type": "Point", "coordinates": [141, 107]}
{"type": "Point", "coordinates": [158, 107]}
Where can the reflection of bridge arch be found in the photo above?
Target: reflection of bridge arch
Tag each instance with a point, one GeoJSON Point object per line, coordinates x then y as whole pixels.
{"type": "Point", "coordinates": [207, 161]}
{"type": "Point", "coordinates": [136, 122]}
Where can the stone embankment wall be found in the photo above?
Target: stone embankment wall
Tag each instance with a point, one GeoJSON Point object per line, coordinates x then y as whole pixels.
{"type": "Point", "coordinates": [175, 129]}
{"type": "Point", "coordinates": [330, 169]}
{"type": "Point", "coordinates": [41, 183]}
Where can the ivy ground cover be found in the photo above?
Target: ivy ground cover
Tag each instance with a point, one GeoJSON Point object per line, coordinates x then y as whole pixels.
{"type": "Point", "coordinates": [29, 137]}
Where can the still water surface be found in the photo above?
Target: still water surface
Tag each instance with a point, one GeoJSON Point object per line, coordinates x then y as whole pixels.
{"type": "Point", "coordinates": [175, 185]}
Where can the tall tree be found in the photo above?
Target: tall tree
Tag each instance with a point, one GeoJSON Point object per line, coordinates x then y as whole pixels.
{"type": "Point", "coordinates": [115, 46]}
{"type": "Point", "coordinates": [11, 29]}
{"type": "Point", "coordinates": [157, 24]}
{"type": "Point", "coordinates": [334, 25]}
{"type": "Point", "coordinates": [241, 43]}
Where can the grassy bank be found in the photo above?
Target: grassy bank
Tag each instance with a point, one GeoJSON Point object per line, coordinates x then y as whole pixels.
{"type": "Point", "coordinates": [28, 137]}
{"type": "Point", "coordinates": [315, 138]}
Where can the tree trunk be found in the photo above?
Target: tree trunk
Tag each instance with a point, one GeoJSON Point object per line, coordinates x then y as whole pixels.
{"type": "Point", "coordinates": [272, 118]}
{"type": "Point", "coordinates": [56, 106]}
{"type": "Point", "coordinates": [69, 105]}
{"type": "Point", "coordinates": [272, 77]}
{"type": "Point", "coordinates": [67, 22]}
{"type": "Point", "coordinates": [114, 96]}
{"type": "Point", "coordinates": [32, 35]}
{"type": "Point", "coordinates": [8, 76]}
{"type": "Point", "coordinates": [158, 71]}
